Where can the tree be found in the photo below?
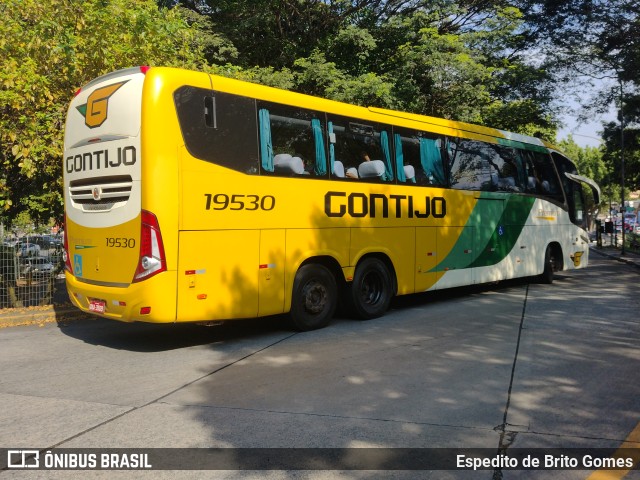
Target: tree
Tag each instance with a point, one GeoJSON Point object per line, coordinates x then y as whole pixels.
{"type": "Point", "coordinates": [612, 157]}
{"type": "Point", "coordinates": [49, 48]}
{"type": "Point", "coordinates": [598, 42]}
{"type": "Point", "coordinates": [460, 59]}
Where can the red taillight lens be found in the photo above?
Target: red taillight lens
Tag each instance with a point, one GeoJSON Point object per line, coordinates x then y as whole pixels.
{"type": "Point", "coordinates": [151, 260]}
{"type": "Point", "coordinates": [65, 253]}
{"type": "Point", "coordinates": [144, 68]}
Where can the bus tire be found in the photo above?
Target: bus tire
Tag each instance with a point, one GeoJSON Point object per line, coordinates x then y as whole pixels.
{"type": "Point", "coordinates": [549, 266]}
{"type": "Point", "coordinates": [314, 299]}
{"type": "Point", "coordinates": [370, 292]}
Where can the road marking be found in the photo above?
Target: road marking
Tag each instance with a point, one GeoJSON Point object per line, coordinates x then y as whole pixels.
{"type": "Point", "coordinates": [632, 438]}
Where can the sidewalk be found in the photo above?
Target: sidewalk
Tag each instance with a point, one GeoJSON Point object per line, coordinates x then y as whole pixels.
{"type": "Point", "coordinates": [13, 317]}
{"type": "Point", "coordinates": [629, 257]}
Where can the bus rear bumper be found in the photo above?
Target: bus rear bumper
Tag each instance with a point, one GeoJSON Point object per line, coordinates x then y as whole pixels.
{"type": "Point", "coordinates": [152, 300]}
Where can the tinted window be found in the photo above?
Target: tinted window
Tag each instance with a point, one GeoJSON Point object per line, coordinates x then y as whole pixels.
{"type": "Point", "coordinates": [219, 127]}
{"type": "Point", "coordinates": [508, 171]}
{"type": "Point", "coordinates": [470, 167]}
{"type": "Point", "coordinates": [573, 190]}
{"type": "Point", "coordinates": [542, 178]}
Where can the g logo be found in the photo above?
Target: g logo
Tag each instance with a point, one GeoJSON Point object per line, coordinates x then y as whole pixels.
{"type": "Point", "coordinates": [577, 258]}
{"type": "Point", "coordinates": [96, 109]}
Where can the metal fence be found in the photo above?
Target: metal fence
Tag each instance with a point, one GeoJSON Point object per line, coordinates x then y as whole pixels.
{"type": "Point", "coordinates": [30, 270]}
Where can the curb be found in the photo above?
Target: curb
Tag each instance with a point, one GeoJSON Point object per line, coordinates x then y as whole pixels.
{"type": "Point", "coordinates": [634, 262]}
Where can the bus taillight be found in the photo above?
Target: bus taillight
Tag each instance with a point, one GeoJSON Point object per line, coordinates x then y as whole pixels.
{"type": "Point", "coordinates": [151, 260]}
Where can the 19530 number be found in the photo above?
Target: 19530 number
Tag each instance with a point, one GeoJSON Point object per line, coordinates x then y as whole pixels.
{"type": "Point", "coordinates": [222, 201]}
{"type": "Point", "coordinates": [121, 242]}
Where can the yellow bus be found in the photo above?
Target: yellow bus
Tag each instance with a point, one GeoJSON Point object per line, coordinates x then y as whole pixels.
{"type": "Point", "coordinates": [190, 198]}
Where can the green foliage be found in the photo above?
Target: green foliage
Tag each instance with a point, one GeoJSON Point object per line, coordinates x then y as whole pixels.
{"type": "Point", "coordinates": [49, 48]}
{"type": "Point", "coordinates": [589, 160]}
{"type": "Point", "coordinates": [598, 42]}
{"type": "Point", "coordinates": [613, 158]}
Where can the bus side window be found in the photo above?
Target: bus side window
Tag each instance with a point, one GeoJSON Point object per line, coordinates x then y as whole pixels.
{"type": "Point", "coordinates": [470, 168]}
{"type": "Point", "coordinates": [418, 158]}
{"type": "Point", "coordinates": [507, 172]}
{"type": "Point", "coordinates": [572, 189]}
{"type": "Point", "coordinates": [291, 141]}
{"type": "Point", "coordinates": [360, 151]}
{"type": "Point", "coordinates": [547, 176]}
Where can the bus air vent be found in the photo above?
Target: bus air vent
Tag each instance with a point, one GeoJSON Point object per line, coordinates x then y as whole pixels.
{"type": "Point", "coordinates": [100, 194]}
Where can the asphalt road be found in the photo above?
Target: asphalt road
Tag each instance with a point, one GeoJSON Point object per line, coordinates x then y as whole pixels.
{"type": "Point", "coordinates": [508, 366]}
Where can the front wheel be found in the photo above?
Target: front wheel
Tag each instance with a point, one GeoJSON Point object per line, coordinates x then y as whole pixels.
{"type": "Point", "coordinates": [314, 298]}
{"type": "Point", "coordinates": [370, 292]}
{"type": "Point", "coordinates": [549, 266]}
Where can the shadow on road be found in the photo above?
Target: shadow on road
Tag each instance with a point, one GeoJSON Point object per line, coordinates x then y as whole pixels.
{"type": "Point", "coordinates": [145, 337]}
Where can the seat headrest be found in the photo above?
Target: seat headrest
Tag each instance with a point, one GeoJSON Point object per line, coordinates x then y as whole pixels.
{"type": "Point", "coordinates": [285, 163]}
{"type": "Point", "coordinates": [371, 169]}
{"type": "Point", "coordinates": [409, 172]}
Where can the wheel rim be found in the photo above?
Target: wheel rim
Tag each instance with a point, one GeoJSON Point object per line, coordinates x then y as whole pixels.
{"type": "Point", "coordinates": [371, 288]}
{"type": "Point", "coordinates": [314, 297]}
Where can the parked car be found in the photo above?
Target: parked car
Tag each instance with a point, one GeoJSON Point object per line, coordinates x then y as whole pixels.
{"type": "Point", "coordinates": [26, 249]}
{"type": "Point", "coordinates": [36, 267]}
{"type": "Point", "coordinates": [629, 226]}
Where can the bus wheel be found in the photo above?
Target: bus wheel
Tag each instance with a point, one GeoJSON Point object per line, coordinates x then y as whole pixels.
{"type": "Point", "coordinates": [314, 298]}
{"type": "Point", "coordinates": [549, 266]}
{"type": "Point", "coordinates": [370, 293]}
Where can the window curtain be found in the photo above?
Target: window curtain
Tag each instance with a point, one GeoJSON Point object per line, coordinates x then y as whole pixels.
{"type": "Point", "coordinates": [266, 147]}
{"type": "Point", "coordinates": [384, 141]}
{"type": "Point", "coordinates": [431, 160]}
{"type": "Point", "coordinates": [397, 140]}
{"type": "Point", "coordinates": [321, 159]}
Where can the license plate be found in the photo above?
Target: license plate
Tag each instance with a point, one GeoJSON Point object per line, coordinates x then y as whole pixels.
{"type": "Point", "coordinates": [97, 306]}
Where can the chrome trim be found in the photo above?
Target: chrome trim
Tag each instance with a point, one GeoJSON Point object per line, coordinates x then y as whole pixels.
{"type": "Point", "coordinates": [102, 284]}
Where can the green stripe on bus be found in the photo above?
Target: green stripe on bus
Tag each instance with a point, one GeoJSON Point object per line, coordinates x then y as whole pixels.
{"type": "Point", "coordinates": [491, 231]}
{"type": "Point", "coordinates": [522, 145]}
{"type": "Point", "coordinates": [505, 234]}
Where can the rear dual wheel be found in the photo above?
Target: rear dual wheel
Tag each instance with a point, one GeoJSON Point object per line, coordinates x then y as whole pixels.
{"type": "Point", "coordinates": [371, 291]}
{"type": "Point", "coordinates": [315, 294]}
